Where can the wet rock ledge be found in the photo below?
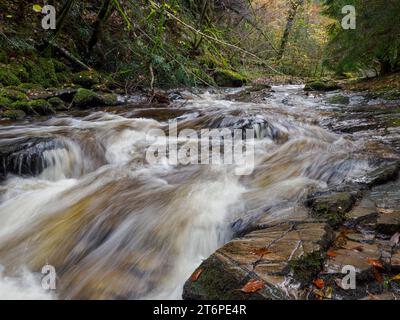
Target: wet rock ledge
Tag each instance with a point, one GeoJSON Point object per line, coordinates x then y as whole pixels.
{"type": "Point", "coordinates": [302, 258]}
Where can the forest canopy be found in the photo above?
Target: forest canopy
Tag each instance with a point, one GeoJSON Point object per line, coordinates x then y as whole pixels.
{"type": "Point", "coordinates": [188, 42]}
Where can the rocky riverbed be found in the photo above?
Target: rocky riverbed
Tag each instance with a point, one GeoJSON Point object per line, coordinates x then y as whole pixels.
{"type": "Point", "coordinates": [77, 193]}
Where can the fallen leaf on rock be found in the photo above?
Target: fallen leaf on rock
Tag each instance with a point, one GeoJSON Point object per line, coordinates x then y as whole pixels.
{"type": "Point", "coordinates": [331, 254]}
{"type": "Point", "coordinates": [252, 286]}
{"type": "Point", "coordinates": [319, 283]}
{"type": "Point", "coordinates": [375, 263]}
{"type": "Point", "coordinates": [319, 294]}
{"type": "Point", "coordinates": [385, 211]}
{"type": "Point", "coordinates": [328, 292]}
{"type": "Point", "coordinates": [397, 277]}
{"type": "Point", "coordinates": [195, 275]}
{"type": "Point", "coordinates": [261, 251]}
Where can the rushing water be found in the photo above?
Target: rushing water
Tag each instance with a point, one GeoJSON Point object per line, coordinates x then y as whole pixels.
{"type": "Point", "coordinates": [115, 226]}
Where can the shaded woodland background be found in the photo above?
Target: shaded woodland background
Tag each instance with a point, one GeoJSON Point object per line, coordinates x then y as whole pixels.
{"type": "Point", "coordinates": [169, 43]}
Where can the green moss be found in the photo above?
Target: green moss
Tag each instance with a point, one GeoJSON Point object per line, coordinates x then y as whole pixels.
{"type": "Point", "coordinates": [13, 94]}
{"type": "Point", "coordinates": [64, 77]}
{"type": "Point", "coordinates": [332, 207]}
{"type": "Point", "coordinates": [394, 123]}
{"type": "Point", "coordinates": [339, 100]}
{"type": "Point", "coordinates": [8, 77]}
{"type": "Point", "coordinates": [24, 106]}
{"type": "Point", "coordinates": [56, 103]}
{"type": "Point", "coordinates": [307, 267]}
{"type": "Point", "coordinates": [5, 102]}
{"type": "Point", "coordinates": [321, 85]}
{"type": "Point", "coordinates": [228, 78]}
{"type": "Point", "coordinates": [86, 79]}
{"type": "Point", "coordinates": [13, 114]}
{"type": "Point", "coordinates": [41, 106]}
{"type": "Point", "coordinates": [20, 72]}
{"type": "Point", "coordinates": [85, 98]}
{"type": "Point", "coordinates": [42, 72]}
{"type": "Point", "coordinates": [31, 86]}
{"type": "Point", "coordinates": [110, 99]}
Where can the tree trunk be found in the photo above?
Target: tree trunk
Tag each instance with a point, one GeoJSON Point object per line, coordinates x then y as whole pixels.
{"type": "Point", "coordinates": [294, 6]}
{"type": "Point", "coordinates": [100, 20]}
{"type": "Point", "coordinates": [386, 67]}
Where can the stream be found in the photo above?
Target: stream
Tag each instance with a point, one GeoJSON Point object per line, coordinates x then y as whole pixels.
{"type": "Point", "coordinates": [85, 200]}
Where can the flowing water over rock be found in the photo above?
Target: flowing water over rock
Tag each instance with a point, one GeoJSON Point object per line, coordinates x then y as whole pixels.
{"type": "Point", "coordinates": [79, 194]}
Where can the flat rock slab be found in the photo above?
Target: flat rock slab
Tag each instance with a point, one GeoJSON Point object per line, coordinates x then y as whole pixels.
{"type": "Point", "coordinates": [352, 253]}
{"type": "Point", "coordinates": [268, 255]}
{"type": "Point", "coordinates": [388, 221]}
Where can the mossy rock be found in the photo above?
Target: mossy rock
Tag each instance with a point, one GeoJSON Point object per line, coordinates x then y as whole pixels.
{"type": "Point", "coordinates": [42, 71]}
{"type": "Point", "coordinates": [64, 77]}
{"type": "Point", "coordinates": [228, 78]}
{"type": "Point", "coordinates": [13, 94]}
{"type": "Point", "coordinates": [42, 107]}
{"type": "Point", "coordinates": [8, 77]}
{"type": "Point", "coordinates": [26, 86]}
{"type": "Point", "coordinates": [321, 85]}
{"type": "Point", "coordinates": [57, 104]}
{"type": "Point", "coordinates": [339, 100]}
{"type": "Point", "coordinates": [331, 206]}
{"type": "Point", "coordinates": [85, 98]}
{"type": "Point", "coordinates": [20, 71]}
{"type": "Point", "coordinates": [5, 102]}
{"type": "Point", "coordinates": [307, 267]}
{"type": "Point", "coordinates": [13, 114]}
{"type": "Point", "coordinates": [86, 79]}
{"type": "Point", "coordinates": [24, 106]}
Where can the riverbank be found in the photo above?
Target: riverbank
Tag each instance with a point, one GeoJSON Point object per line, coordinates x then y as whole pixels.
{"type": "Point", "coordinates": [351, 226]}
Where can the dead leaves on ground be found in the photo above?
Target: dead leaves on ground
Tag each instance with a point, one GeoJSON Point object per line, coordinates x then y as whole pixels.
{"type": "Point", "coordinates": [375, 263]}
{"type": "Point", "coordinates": [331, 254]}
{"type": "Point", "coordinates": [319, 283]}
{"type": "Point", "coordinates": [261, 252]}
{"type": "Point", "coordinates": [396, 277]}
{"type": "Point", "coordinates": [252, 286]}
{"type": "Point", "coordinates": [195, 275]}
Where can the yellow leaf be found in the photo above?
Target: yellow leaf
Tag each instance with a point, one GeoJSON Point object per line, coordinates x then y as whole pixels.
{"type": "Point", "coordinates": [37, 8]}
{"type": "Point", "coordinates": [396, 277]}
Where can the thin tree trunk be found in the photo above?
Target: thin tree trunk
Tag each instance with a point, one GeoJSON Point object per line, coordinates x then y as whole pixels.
{"type": "Point", "coordinates": [100, 20]}
{"type": "Point", "coordinates": [61, 19]}
{"type": "Point", "coordinates": [294, 6]}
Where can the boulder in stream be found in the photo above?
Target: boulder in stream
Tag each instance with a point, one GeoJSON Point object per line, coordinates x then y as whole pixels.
{"type": "Point", "coordinates": [24, 157]}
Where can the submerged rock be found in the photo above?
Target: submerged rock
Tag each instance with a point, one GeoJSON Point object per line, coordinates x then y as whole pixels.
{"type": "Point", "coordinates": [24, 157]}
{"type": "Point", "coordinates": [331, 206]}
{"type": "Point", "coordinates": [85, 98]}
{"type": "Point", "coordinates": [321, 85]}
